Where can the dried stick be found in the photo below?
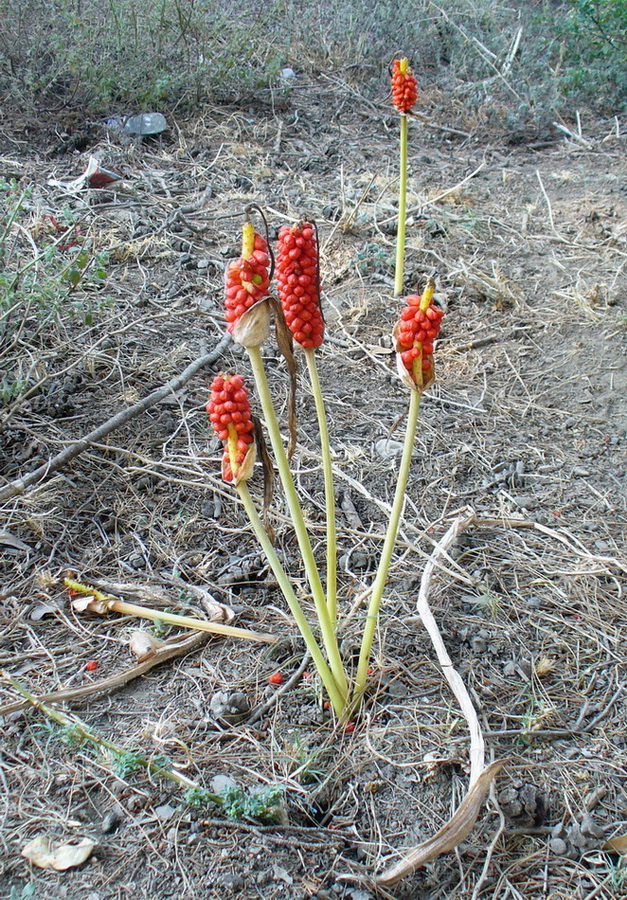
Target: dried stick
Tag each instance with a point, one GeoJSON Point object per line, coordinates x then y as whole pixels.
{"type": "Point", "coordinates": [463, 820]}
{"type": "Point", "coordinates": [176, 646]}
{"type": "Point", "coordinates": [94, 601]}
{"type": "Point", "coordinates": [477, 748]}
{"type": "Point", "coordinates": [73, 450]}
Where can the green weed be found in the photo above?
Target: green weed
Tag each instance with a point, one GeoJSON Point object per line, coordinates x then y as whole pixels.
{"type": "Point", "coordinates": [263, 804]}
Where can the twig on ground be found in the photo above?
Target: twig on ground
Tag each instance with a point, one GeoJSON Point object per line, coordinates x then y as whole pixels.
{"type": "Point", "coordinates": [19, 485]}
{"type": "Point", "coordinates": [170, 649]}
{"type": "Point", "coordinates": [264, 708]}
{"type": "Point", "coordinates": [462, 822]}
{"type": "Point", "coordinates": [86, 734]}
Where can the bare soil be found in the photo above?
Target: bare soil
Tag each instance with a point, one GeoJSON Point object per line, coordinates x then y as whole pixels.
{"type": "Point", "coordinates": [527, 425]}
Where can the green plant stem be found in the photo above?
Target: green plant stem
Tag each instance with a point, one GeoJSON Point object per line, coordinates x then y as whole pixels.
{"type": "Point", "coordinates": [329, 492]}
{"type": "Point", "coordinates": [326, 627]}
{"type": "Point", "coordinates": [335, 695]}
{"type": "Point", "coordinates": [85, 734]}
{"type": "Point", "coordinates": [388, 548]}
{"type": "Point", "coordinates": [402, 211]}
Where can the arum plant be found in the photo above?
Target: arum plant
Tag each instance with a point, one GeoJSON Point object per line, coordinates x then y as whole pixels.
{"type": "Point", "coordinates": [230, 414]}
{"type": "Point", "coordinates": [298, 283]}
{"type": "Point", "coordinates": [248, 312]}
{"type": "Point", "coordinates": [415, 333]}
{"type": "Point", "coordinates": [404, 94]}
{"type": "Point", "coordinates": [249, 306]}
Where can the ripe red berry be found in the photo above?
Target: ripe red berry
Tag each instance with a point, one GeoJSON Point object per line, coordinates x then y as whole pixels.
{"type": "Point", "coordinates": [247, 281]}
{"type": "Point", "coordinates": [91, 666]}
{"type": "Point", "coordinates": [297, 282]}
{"type": "Point", "coordinates": [404, 86]}
{"type": "Point", "coordinates": [275, 678]}
{"type": "Point", "coordinates": [231, 417]}
{"type": "Point", "coordinates": [416, 331]}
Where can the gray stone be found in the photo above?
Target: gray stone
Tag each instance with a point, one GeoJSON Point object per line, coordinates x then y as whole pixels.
{"type": "Point", "coordinates": [558, 846]}
{"type": "Point", "coordinates": [230, 707]}
{"type": "Point", "coordinates": [165, 812]}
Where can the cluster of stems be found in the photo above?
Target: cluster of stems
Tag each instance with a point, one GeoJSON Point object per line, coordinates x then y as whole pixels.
{"type": "Point", "coordinates": [298, 282]}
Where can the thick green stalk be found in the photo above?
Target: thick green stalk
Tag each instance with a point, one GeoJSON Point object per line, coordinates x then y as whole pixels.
{"type": "Point", "coordinates": [402, 211]}
{"type": "Point", "coordinates": [388, 548]}
{"type": "Point", "coordinates": [329, 492]}
{"type": "Point", "coordinates": [326, 627]}
{"type": "Point", "coordinates": [336, 697]}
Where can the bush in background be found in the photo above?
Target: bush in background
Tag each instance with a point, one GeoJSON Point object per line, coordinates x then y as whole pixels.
{"type": "Point", "coordinates": [107, 55]}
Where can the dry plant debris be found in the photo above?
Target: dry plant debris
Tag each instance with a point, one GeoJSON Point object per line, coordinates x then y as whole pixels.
{"type": "Point", "coordinates": [527, 425]}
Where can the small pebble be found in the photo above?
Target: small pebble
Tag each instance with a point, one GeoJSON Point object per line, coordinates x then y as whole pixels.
{"type": "Point", "coordinates": [525, 502]}
{"type": "Point", "coordinates": [165, 812]}
{"type": "Point", "coordinates": [110, 821]}
{"type": "Point", "coordinates": [558, 846]}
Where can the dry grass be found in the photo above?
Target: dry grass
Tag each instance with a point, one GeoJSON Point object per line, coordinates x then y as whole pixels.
{"type": "Point", "coordinates": [526, 424]}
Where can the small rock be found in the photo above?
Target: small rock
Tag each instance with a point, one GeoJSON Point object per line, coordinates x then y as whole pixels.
{"type": "Point", "coordinates": [222, 783]}
{"type": "Point", "coordinates": [110, 821]}
{"type": "Point", "coordinates": [230, 708]}
{"type": "Point", "coordinates": [165, 811]}
{"type": "Point", "coordinates": [575, 837]}
{"type": "Point", "coordinates": [281, 874]}
{"type": "Point", "coordinates": [230, 882]}
{"type": "Point", "coordinates": [558, 846]}
{"type": "Point", "coordinates": [589, 827]}
{"type": "Point", "coordinates": [478, 644]}
{"type": "Point", "coordinates": [525, 502]}
{"type": "Point", "coordinates": [360, 560]}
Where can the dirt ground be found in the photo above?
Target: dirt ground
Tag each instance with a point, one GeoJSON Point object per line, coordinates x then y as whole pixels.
{"type": "Point", "coordinates": [527, 426]}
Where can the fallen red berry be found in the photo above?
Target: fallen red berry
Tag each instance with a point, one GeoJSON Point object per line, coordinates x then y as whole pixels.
{"type": "Point", "coordinates": [230, 415]}
{"type": "Point", "coordinates": [297, 282]}
{"type": "Point", "coordinates": [349, 727]}
{"type": "Point", "coordinates": [404, 86]}
{"type": "Point", "coordinates": [91, 666]}
{"type": "Point", "coordinates": [275, 678]}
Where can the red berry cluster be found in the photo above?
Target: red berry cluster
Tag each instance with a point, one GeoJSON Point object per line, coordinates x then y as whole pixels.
{"type": "Point", "coordinates": [404, 87]}
{"type": "Point", "coordinates": [417, 331]}
{"type": "Point", "coordinates": [230, 414]}
{"type": "Point", "coordinates": [297, 281]}
{"type": "Point", "coordinates": [247, 281]}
